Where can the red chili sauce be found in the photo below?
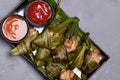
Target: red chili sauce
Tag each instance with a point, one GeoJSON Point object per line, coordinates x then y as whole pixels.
{"type": "Point", "coordinates": [14, 28]}
{"type": "Point", "coordinates": [39, 12]}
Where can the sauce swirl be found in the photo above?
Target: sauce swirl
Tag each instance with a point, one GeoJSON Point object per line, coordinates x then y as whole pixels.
{"type": "Point", "coordinates": [14, 28]}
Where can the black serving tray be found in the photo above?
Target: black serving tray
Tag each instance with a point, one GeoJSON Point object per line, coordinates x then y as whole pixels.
{"type": "Point", "coordinates": [20, 11]}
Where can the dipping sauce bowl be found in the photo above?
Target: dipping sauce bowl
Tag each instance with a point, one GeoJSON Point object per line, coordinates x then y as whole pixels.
{"type": "Point", "coordinates": [39, 12]}
{"type": "Point", "coordinates": [14, 28]}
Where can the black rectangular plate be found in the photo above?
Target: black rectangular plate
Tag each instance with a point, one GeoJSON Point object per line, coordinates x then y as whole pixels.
{"type": "Point", "coordinates": [20, 11]}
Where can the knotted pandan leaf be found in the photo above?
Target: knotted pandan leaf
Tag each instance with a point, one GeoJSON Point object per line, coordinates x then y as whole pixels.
{"type": "Point", "coordinates": [90, 64]}
{"type": "Point", "coordinates": [26, 46]}
{"type": "Point", "coordinates": [53, 70]}
{"type": "Point", "coordinates": [59, 54]}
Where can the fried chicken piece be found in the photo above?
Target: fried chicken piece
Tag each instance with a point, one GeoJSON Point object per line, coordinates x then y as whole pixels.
{"type": "Point", "coordinates": [66, 75]}
{"type": "Point", "coordinates": [95, 54]}
{"type": "Point", "coordinates": [71, 44]}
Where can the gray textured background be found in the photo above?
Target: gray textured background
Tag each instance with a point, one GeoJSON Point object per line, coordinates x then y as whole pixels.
{"type": "Point", "coordinates": [99, 17]}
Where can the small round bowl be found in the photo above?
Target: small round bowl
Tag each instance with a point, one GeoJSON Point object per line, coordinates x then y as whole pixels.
{"type": "Point", "coordinates": [14, 28]}
{"type": "Point", "coordinates": [39, 13]}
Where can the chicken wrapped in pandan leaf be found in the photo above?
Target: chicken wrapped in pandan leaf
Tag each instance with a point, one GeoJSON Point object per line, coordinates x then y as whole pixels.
{"type": "Point", "coordinates": [70, 75]}
{"type": "Point", "coordinates": [59, 54]}
{"type": "Point", "coordinates": [42, 56]}
{"type": "Point", "coordinates": [71, 44]}
{"type": "Point", "coordinates": [26, 45]}
{"type": "Point", "coordinates": [51, 37]}
{"type": "Point", "coordinates": [91, 62]}
{"type": "Point", "coordinates": [78, 55]}
{"type": "Point", "coordinates": [80, 58]}
{"type": "Point", "coordinates": [72, 48]}
{"type": "Point", "coordinates": [67, 75]}
{"type": "Point", "coordinates": [72, 56]}
{"type": "Point", "coordinates": [74, 37]}
{"type": "Point", "coordinates": [53, 70]}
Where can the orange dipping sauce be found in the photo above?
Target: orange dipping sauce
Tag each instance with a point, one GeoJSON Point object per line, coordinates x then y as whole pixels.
{"type": "Point", "coordinates": [14, 28]}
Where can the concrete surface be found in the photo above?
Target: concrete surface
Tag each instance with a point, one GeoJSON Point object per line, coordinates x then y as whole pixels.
{"type": "Point", "coordinates": [99, 17]}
